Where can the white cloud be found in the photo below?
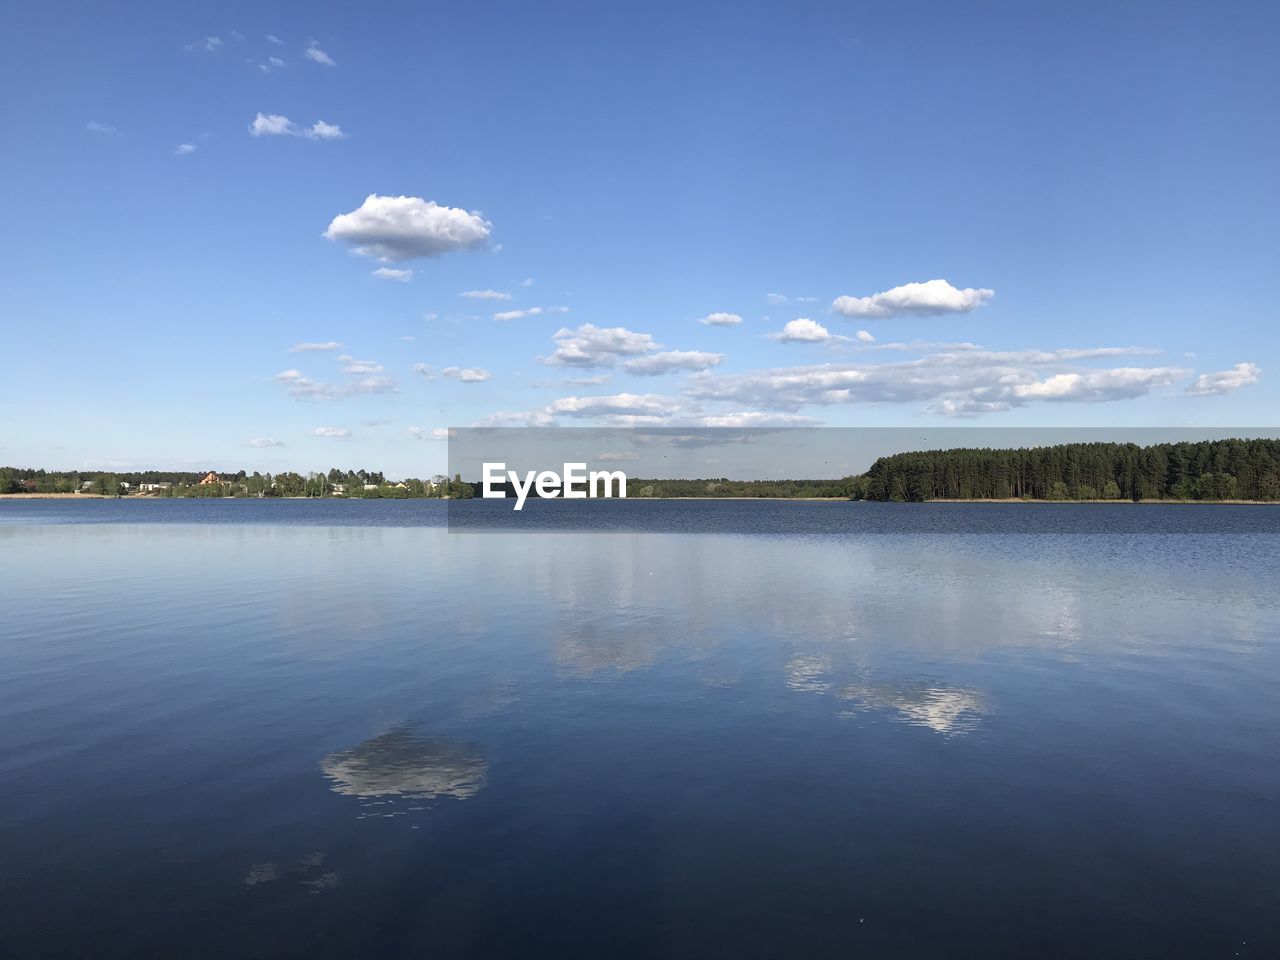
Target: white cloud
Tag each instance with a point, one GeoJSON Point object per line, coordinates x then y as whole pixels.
{"type": "Point", "coordinates": [485, 295]}
{"type": "Point", "coordinates": [271, 125]}
{"type": "Point", "coordinates": [391, 273]}
{"type": "Point", "coordinates": [633, 407]}
{"type": "Point", "coordinates": [336, 433]}
{"type": "Point", "coordinates": [316, 55]}
{"type": "Point", "coordinates": [776, 299]}
{"type": "Point", "coordinates": [592, 346]}
{"type": "Point", "coordinates": [524, 418]}
{"type": "Point", "coordinates": [261, 442]}
{"type": "Point", "coordinates": [865, 337]}
{"type": "Point", "coordinates": [804, 330]}
{"type": "Point", "coordinates": [931, 297]}
{"type": "Point", "coordinates": [957, 382]}
{"type": "Point", "coordinates": [93, 126]}
{"type": "Point", "coordinates": [754, 419]}
{"type": "Point", "coordinates": [207, 44]}
{"type": "Point", "coordinates": [659, 363]}
{"type": "Point", "coordinates": [616, 456]}
{"type": "Point", "coordinates": [303, 387]}
{"type": "Point", "coordinates": [1093, 386]}
{"type": "Point", "coordinates": [402, 228]}
{"type": "Point", "coordinates": [527, 282]}
{"type": "Point", "coordinates": [275, 125]}
{"type": "Point", "coordinates": [372, 385]}
{"type": "Point", "coordinates": [314, 347]}
{"type": "Point", "coordinates": [182, 149]}
{"type": "Point", "coordinates": [587, 381]}
{"type": "Point", "coordinates": [466, 374]}
{"type": "Point", "coordinates": [359, 366]}
{"type": "Point", "coordinates": [272, 38]}
{"type": "Point", "coordinates": [276, 62]}
{"type": "Point", "coordinates": [721, 320]}
{"type": "Point", "coordinates": [528, 312]}
{"type": "Point", "coordinates": [324, 131]}
{"type": "Point", "coordinates": [435, 433]}
{"type": "Point", "coordinates": [1225, 381]}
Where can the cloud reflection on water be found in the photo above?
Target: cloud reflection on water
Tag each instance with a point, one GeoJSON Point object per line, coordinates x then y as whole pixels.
{"type": "Point", "coordinates": [951, 711]}
{"type": "Point", "coordinates": [400, 763]}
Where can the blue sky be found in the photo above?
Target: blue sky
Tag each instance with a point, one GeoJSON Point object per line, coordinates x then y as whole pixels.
{"type": "Point", "coordinates": [1092, 186]}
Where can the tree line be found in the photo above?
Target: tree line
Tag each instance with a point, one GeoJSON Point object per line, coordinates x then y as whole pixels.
{"type": "Point", "coordinates": [360, 484]}
{"type": "Point", "coordinates": [1204, 470]}
{"type": "Point", "coordinates": [723, 487]}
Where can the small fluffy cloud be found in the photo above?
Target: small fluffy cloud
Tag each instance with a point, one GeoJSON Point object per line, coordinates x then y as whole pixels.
{"type": "Point", "coordinates": [182, 149]}
{"type": "Point", "coordinates": [207, 44]}
{"type": "Point", "coordinates": [931, 297]}
{"type": "Point", "coordinates": [671, 360]}
{"type": "Point", "coordinates": [404, 228]}
{"type": "Point", "coordinates": [721, 320]}
{"type": "Point", "coordinates": [93, 126]}
{"type": "Point", "coordinates": [261, 442]}
{"type": "Point", "coordinates": [391, 273]}
{"type": "Point", "coordinates": [1225, 381]}
{"type": "Point", "coordinates": [315, 347]}
{"type": "Point", "coordinates": [466, 374]}
{"type": "Point", "coordinates": [359, 366]}
{"type": "Point", "coordinates": [272, 38]}
{"type": "Point", "coordinates": [804, 330]}
{"type": "Point", "coordinates": [528, 312]}
{"type": "Point", "coordinates": [485, 295]}
{"type": "Point", "coordinates": [865, 337]}
{"type": "Point", "coordinates": [324, 131]}
{"type": "Point", "coordinates": [335, 433]}
{"type": "Point", "coordinates": [592, 346]}
{"type": "Point", "coordinates": [275, 125]}
{"type": "Point", "coordinates": [267, 125]}
{"type": "Point", "coordinates": [775, 299]}
{"type": "Point", "coordinates": [316, 55]}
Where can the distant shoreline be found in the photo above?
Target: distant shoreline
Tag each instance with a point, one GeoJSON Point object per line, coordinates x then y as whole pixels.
{"type": "Point", "coordinates": [1133, 503]}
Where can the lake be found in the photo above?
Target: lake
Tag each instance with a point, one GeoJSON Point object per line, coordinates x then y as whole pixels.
{"type": "Point", "coordinates": [626, 729]}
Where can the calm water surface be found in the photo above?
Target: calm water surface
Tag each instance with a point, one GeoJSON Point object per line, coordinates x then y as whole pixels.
{"type": "Point", "coordinates": [288, 729]}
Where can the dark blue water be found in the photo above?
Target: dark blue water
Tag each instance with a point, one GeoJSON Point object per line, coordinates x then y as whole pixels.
{"type": "Point", "coordinates": [299, 729]}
